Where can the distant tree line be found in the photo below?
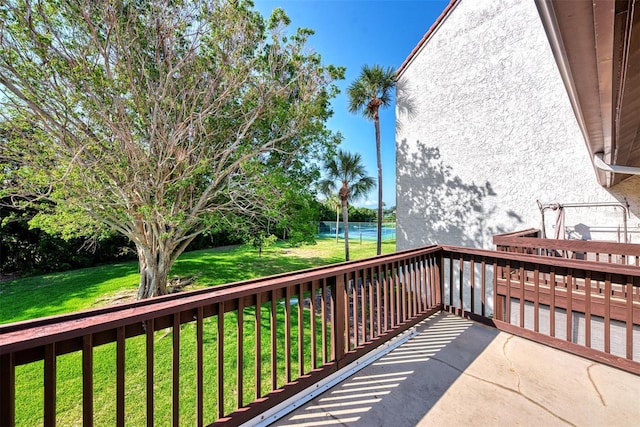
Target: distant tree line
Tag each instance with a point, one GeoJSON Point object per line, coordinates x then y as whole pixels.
{"type": "Point", "coordinates": [27, 250]}
{"type": "Point", "coordinates": [327, 213]}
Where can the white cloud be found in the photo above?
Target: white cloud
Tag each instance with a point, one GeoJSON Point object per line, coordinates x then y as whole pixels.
{"type": "Point", "coordinates": [370, 202]}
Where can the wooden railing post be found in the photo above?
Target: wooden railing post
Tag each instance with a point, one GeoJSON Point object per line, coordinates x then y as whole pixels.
{"type": "Point", "coordinates": [7, 390]}
{"type": "Point", "coordinates": [439, 275]}
{"type": "Point", "coordinates": [497, 311]}
{"type": "Point", "coordinates": [339, 296]}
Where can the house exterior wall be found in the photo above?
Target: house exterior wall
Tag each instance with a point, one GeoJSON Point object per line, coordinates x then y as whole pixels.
{"type": "Point", "coordinates": [485, 128]}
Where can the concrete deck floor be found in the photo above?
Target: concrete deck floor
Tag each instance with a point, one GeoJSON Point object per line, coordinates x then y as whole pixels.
{"type": "Point", "coordinates": [458, 372]}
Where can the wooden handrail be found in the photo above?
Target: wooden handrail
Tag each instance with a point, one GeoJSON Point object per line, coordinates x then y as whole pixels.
{"type": "Point", "coordinates": [184, 300]}
{"type": "Point", "coordinates": [529, 232]}
{"type": "Point", "coordinates": [565, 263]}
{"type": "Point", "coordinates": [590, 246]}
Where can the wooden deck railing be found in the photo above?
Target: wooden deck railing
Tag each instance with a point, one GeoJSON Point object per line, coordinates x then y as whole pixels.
{"type": "Point", "coordinates": [529, 242]}
{"type": "Point", "coordinates": [588, 308]}
{"type": "Point", "coordinates": [227, 354]}
{"type": "Point", "coordinates": [251, 344]}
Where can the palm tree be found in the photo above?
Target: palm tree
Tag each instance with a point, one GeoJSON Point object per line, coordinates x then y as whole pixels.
{"type": "Point", "coordinates": [346, 175]}
{"type": "Point", "coordinates": [367, 94]}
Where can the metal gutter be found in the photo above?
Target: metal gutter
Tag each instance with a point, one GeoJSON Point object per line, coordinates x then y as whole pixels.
{"type": "Point", "coordinates": [598, 161]}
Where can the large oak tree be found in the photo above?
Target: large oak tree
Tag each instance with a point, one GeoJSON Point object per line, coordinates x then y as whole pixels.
{"type": "Point", "coordinates": [158, 119]}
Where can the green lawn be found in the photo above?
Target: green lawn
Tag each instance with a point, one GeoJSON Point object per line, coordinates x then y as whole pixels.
{"type": "Point", "coordinates": [58, 293]}
{"type": "Point", "coordinates": [64, 292]}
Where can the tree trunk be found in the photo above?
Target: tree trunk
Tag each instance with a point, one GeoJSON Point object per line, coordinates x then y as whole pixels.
{"type": "Point", "coordinates": [379, 235]}
{"type": "Point", "coordinates": [345, 221]}
{"type": "Point", "coordinates": [154, 269]}
{"type": "Point", "coordinates": [337, 221]}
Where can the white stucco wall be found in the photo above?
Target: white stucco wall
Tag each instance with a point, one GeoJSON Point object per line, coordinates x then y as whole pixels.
{"type": "Point", "coordinates": [485, 128]}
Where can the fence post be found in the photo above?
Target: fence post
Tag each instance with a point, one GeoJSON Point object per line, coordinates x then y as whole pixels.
{"type": "Point", "coordinates": [498, 301]}
{"type": "Point", "coordinates": [7, 390]}
{"type": "Point", "coordinates": [339, 296]}
{"type": "Point", "coordinates": [439, 278]}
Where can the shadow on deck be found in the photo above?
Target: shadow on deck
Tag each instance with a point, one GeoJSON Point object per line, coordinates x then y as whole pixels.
{"type": "Point", "coordinates": [459, 371]}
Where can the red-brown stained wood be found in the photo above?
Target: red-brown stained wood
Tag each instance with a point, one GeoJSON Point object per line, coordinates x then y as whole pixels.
{"type": "Point", "coordinates": [339, 326]}
{"type": "Point", "coordinates": [362, 327]}
{"type": "Point", "coordinates": [607, 314]}
{"type": "Point", "coordinates": [149, 335]}
{"type": "Point", "coordinates": [424, 280]}
{"type": "Point", "coordinates": [415, 269]}
{"type": "Point", "coordinates": [300, 331]}
{"type": "Point", "coordinates": [312, 321]}
{"type": "Point", "coordinates": [497, 314]}
{"type": "Point", "coordinates": [618, 307]}
{"type": "Point", "coordinates": [50, 385]}
{"type": "Point", "coordinates": [199, 366]}
{"type": "Point", "coordinates": [451, 281]}
{"type": "Point", "coordinates": [521, 296]}
{"type": "Point", "coordinates": [422, 284]}
{"type": "Point", "coordinates": [415, 286]}
{"type": "Point", "coordinates": [120, 376]}
{"type": "Point", "coordinates": [430, 284]}
{"type": "Point", "coordinates": [587, 313]}
{"type": "Point", "coordinates": [508, 296]}
{"type": "Point", "coordinates": [240, 354]}
{"type": "Point", "coordinates": [404, 286]}
{"type": "Point", "coordinates": [536, 299]}
{"type": "Point", "coordinates": [274, 353]}
{"type": "Point", "coordinates": [287, 335]}
{"type": "Point", "coordinates": [37, 332]}
{"type": "Point", "coordinates": [257, 331]}
{"type": "Point", "coordinates": [408, 275]}
{"type": "Point", "coordinates": [379, 314]}
{"type": "Point", "coordinates": [461, 283]}
{"type": "Point", "coordinates": [569, 330]}
{"type": "Point", "coordinates": [371, 306]}
{"type": "Point", "coordinates": [87, 381]}
{"type": "Point", "coordinates": [220, 361]}
{"type": "Point", "coordinates": [324, 303]}
{"type": "Point", "coordinates": [581, 246]}
{"type": "Point", "coordinates": [472, 280]}
{"type": "Point", "coordinates": [552, 304]}
{"type": "Point", "coordinates": [629, 320]}
{"type": "Point", "coordinates": [438, 276]}
{"type": "Point", "coordinates": [7, 390]}
{"type": "Point", "coordinates": [352, 318]}
{"type": "Point", "coordinates": [483, 288]}
{"type": "Point", "coordinates": [398, 292]}
{"type": "Point", "coordinates": [175, 372]}
{"type": "Point", "coordinates": [392, 296]}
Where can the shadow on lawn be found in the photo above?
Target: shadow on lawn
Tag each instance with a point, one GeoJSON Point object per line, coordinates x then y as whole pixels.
{"type": "Point", "coordinates": [51, 294]}
{"type": "Point", "coordinates": [217, 268]}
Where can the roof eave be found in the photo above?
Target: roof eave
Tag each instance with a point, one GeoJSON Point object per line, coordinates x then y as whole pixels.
{"type": "Point", "coordinates": [445, 13]}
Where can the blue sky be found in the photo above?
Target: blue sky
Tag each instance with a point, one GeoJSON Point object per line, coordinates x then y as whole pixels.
{"type": "Point", "coordinates": [352, 33]}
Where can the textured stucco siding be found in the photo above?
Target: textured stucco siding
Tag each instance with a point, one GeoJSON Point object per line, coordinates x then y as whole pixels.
{"type": "Point", "coordinates": [485, 128]}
